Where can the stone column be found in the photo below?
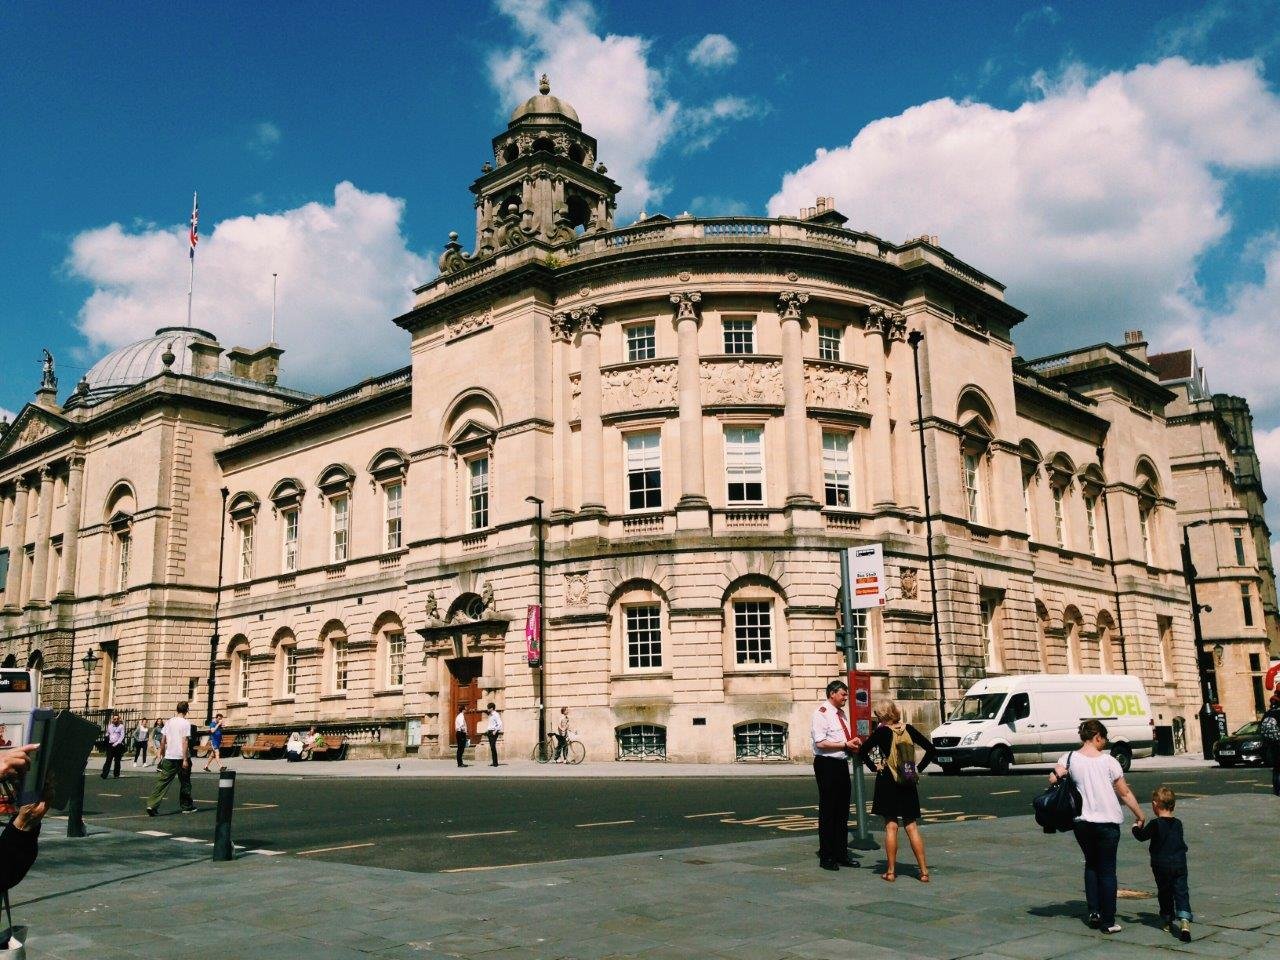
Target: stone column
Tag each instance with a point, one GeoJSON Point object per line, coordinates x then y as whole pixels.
{"type": "Point", "coordinates": [881, 328]}
{"type": "Point", "coordinates": [802, 508]}
{"type": "Point", "coordinates": [692, 511]}
{"type": "Point", "coordinates": [17, 543]}
{"type": "Point", "coordinates": [44, 528]}
{"type": "Point", "coordinates": [71, 528]}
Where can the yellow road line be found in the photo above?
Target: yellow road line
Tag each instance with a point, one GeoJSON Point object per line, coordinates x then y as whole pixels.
{"type": "Point", "coordinates": [718, 813]}
{"type": "Point", "coordinates": [349, 846]}
{"type": "Point", "coordinates": [605, 823]}
{"type": "Point", "coordinates": [486, 833]}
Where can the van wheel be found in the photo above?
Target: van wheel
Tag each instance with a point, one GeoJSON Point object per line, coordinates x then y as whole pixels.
{"type": "Point", "coordinates": [1001, 761]}
{"type": "Point", "coordinates": [1124, 757]}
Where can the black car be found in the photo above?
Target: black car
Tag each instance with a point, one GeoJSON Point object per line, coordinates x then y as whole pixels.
{"type": "Point", "coordinates": [1245, 746]}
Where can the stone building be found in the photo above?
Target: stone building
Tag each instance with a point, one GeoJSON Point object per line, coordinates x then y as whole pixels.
{"type": "Point", "coordinates": [1218, 487]}
{"type": "Point", "coordinates": [708, 410]}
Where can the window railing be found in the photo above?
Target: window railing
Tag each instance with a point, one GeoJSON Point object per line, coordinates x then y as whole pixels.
{"type": "Point", "coordinates": [760, 741]}
{"type": "Point", "coordinates": [642, 741]}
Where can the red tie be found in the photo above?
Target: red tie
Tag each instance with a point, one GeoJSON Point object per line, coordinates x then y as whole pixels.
{"type": "Point", "coordinates": [843, 725]}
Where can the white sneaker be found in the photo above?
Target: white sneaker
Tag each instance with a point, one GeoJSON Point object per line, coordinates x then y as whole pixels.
{"type": "Point", "coordinates": [1114, 928]}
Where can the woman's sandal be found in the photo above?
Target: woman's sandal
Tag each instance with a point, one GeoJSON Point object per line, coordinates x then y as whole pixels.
{"type": "Point", "coordinates": [924, 876]}
{"type": "Point", "coordinates": [889, 877]}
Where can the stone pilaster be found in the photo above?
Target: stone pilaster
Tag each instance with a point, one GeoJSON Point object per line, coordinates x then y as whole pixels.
{"type": "Point", "coordinates": [71, 528]}
{"type": "Point", "coordinates": [17, 543]}
{"type": "Point", "coordinates": [586, 320]}
{"type": "Point", "coordinates": [881, 329]}
{"type": "Point", "coordinates": [802, 507]}
{"type": "Point", "coordinates": [44, 528]}
{"type": "Point", "coordinates": [693, 509]}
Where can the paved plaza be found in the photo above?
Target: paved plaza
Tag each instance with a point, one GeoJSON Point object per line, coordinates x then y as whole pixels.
{"type": "Point", "coordinates": [1001, 889]}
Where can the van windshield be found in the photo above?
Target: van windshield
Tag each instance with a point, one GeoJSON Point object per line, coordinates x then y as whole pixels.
{"type": "Point", "coordinates": [984, 706]}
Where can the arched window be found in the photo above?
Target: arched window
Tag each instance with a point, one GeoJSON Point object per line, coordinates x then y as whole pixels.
{"type": "Point", "coordinates": [471, 430]}
{"type": "Point", "coordinates": [755, 628]}
{"type": "Point", "coordinates": [642, 741]}
{"type": "Point", "coordinates": [1062, 475]}
{"type": "Point", "coordinates": [1108, 659]}
{"type": "Point", "coordinates": [337, 661]}
{"type": "Point", "coordinates": [335, 485]}
{"type": "Point", "coordinates": [10, 661]}
{"type": "Point", "coordinates": [389, 632]}
{"type": "Point", "coordinates": [239, 653]}
{"type": "Point", "coordinates": [35, 666]}
{"type": "Point", "coordinates": [1071, 621]}
{"type": "Point", "coordinates": [1029, 457]}
{"type": "Point", "coordinates": [120, 507]}
{"type": "Point", "coordinates": [977, 430]}
{"type": "Point", "coordinates": [639, 626]}
{"type": "Point", "coordinates": [243, 509]}
{"type": "Point", "coordinates": [1042, 634]}
{"type": "Point", "coordinates": [760, 740]}
{"type": "Point", "coordinates": [286, 650]}
{"type": "Point", "coordinates": [1148, 483]}
{"type": "Point", "coordinates": [990, 618]}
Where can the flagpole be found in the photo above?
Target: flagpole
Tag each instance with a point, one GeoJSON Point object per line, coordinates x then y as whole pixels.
{"type": "Point", "coordinates": [273, 308]}
{"type": "Point", "coordinates": [191, 280]}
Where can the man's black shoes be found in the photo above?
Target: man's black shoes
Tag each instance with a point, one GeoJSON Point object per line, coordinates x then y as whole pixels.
{"type": "Point", "coordinates": [828, 865]}
{"type": "Point", "coordinates": [846, 862]}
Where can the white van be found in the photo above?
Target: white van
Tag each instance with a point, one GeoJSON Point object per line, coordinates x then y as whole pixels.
{"type": "Point", "coordinates": [17, 700]}
{"type": "Point", "coordinates": [1034, 718]}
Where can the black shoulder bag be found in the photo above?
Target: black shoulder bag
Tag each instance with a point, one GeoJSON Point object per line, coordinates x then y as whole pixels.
{"type": "Point", "coordinates": [1058, 807]}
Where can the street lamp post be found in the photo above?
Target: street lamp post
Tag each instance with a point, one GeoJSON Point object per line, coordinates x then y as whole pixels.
{"type": "Point", "coordinates": [914, 338]}
{"type": "Point", "coordinates": [1209, 730]}
{"type": "Point", "coordinates": [88, 661]}
{"type": "Point", "coordinates": [542, 621]}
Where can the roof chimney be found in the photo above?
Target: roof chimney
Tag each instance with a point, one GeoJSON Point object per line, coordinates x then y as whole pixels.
{"type": "Point", "coordinates": [1135, 345]}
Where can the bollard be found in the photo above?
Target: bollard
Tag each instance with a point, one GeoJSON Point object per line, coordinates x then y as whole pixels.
{"type": "Point", "coordinates": [222, 847]}
{"type": "Point", "coordinates": [75, 810]}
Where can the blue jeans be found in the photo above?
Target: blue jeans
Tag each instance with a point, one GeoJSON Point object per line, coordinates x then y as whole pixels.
{"type": "Point", "coordinates": [1171, 884]}
{"type": "Point", "coordinates": [1098, 843]}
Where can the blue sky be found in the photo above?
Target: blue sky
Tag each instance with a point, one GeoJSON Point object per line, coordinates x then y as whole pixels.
{"type": "Point", "coordinates": [1116, 168]}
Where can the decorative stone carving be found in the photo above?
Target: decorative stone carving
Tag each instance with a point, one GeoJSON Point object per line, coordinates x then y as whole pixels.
{"type": "Point", "coordinates": [888, 323]}
{"type": "Point", "coordinates": [909, 582]}
{"type": "Point", "coordinates": [685, 276]}
{"type": "Point", "coordinates": [465, 325]}
{"type": "Point", "coordinates": [639, 388]}
{"type": "Point", "coordinates": [575, 398]}
{"type": "Point", "coordinates": [561, 328]}
{"type": "Point", "coordinates": [585, 318]}
{"type": "Point", "coordinates": [33, 431]}
{"type": "Point", "coordinates": [970, 319]}
{"type": "Point", "coordinates": [575, 589]}
{"type": "Point", "coordinates": [791, 305]}
{"type": "Point", "coordinates": [835, 387]}
{"type": "Point", "coordinates": [742, 382]}
{"type": "Point", "coordinates": [47, 379]}
{"type": "Point", "coordinates": [686, 305]}
{"type": "Point", "coordinates": [453, 259]}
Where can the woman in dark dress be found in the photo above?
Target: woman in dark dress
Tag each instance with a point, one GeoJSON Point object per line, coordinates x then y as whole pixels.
{"type": "Point", "coordinates": [897, 797]}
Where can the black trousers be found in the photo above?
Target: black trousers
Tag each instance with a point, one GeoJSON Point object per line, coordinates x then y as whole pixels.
{"type": "Point", "coordinates": [1171, 888]}
{"type": "Point", "coordinates": [114, 755]}
{"type": "Point", "coordinates": [462, 746]}
{"type": "Point", "coordinates": [140, 750]}
{"type": "Point", "coordinates": [493, 746]}
{"type": "Point", "coordinates": [832, 774]}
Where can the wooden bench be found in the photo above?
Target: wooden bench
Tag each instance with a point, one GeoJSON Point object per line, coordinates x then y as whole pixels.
{"type": "Point", "coordinates": [335, 748]}
{"type": "Point", "coordinates": [228, 745]}
{"type": "Point", "coordinates": [265, 745]}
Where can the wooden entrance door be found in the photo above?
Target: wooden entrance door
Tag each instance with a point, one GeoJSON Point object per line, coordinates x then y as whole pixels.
{"type": "Point", "coordinates": [464, 693]}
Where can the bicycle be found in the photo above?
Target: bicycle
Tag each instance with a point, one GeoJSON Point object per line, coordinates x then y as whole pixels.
{"type": "Point", "coordinates": [545, 751]}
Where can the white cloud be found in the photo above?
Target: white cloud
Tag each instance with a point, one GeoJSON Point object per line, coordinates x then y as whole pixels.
{"type": "Point", "coordinates": [345, 271]}
{"type": "Point", "coordinates": [266, 137]}
{"type": "Point", "coordinates": [703, 124]}
{"type": "Point", "coordinates": [714, 51]}
{"type": "Point", "coordinates": [1094, 202]}
{"type": "Point", "coordinates": [619, 94]}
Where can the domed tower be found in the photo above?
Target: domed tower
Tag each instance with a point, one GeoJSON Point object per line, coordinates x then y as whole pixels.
{"type": "Point", "coordinates": [544, 183]}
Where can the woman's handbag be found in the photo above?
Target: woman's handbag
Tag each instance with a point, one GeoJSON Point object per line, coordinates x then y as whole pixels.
{"type": "Point", "coordinates": [1058, 807]}
{"type": "Point", "coordinates": [12, 939]}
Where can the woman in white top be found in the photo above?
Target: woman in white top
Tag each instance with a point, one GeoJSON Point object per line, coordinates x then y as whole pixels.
{"type": "Point", "coordinates": [1098, 777]}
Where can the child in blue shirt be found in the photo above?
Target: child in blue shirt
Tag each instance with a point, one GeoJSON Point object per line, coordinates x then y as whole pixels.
{"type": "Point", "coordinates": [1168, 862]}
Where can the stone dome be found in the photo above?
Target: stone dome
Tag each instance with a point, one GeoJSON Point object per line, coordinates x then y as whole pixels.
{"type": "Point", "coordinates": [543, 104]}
{"type": "Point", "coordinates": [141, 361]}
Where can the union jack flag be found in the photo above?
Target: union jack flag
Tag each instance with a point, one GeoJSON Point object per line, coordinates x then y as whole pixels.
{"type": "Point", "coordinates": [195, 223]}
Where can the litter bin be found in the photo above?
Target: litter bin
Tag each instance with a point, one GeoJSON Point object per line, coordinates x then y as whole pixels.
{"type": "Point", "coordinates": [1164, 741]}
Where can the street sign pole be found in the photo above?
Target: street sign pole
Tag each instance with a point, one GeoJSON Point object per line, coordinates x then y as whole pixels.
{"type": "Point", "coordinates": [860, 836]}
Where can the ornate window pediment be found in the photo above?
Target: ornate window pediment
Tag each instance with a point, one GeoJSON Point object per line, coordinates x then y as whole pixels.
{"type": "Point", "coordinates": [244, 506]}
{"type": "Point", "coordinates": [335, 479]}
{"type": "Point", "coordinates": [120, 522]}
{"type": "Point", "coordinates": [472, 437]}
{"type": "Point", "coordinates": [388, 464]}
{"type": "Point", "coordinates": [287, 493]}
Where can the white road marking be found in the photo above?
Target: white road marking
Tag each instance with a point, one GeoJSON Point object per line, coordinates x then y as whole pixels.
{"type": "Point", "coordinates": [718, 813]}
{"type": "Point", "coordinates": [349, 846]}
{"type": "Point", "coordinates": [268, 853]}
{"type": "Point", "coordinates": [1242, 781]}
{"type": "Point", "coordinates": [807, 806]}
{"type": "Point", "coordinates": [153, 833]}
{"type": "Point", "coordinates": [485, 833]}
{"type": "Point", "coordinates": [998, 793]}
{"type": "Point", "coordinates": [605, 823]}
{"type": "Point", "coordinates": [117, 795]}
{"type": "Point", "coordinates": [256, 806]}
{"type": "Point", "coordinates": [949, 796]}
{"type": "Point", "coordinates": [188, 840]}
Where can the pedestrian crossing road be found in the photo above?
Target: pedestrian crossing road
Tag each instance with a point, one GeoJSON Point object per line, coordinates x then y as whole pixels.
{"type": "Point", "coordinates": [430, 825]}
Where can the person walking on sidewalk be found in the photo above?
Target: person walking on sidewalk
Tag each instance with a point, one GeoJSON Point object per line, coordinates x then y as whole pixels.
{"type": "Point", "coordinates": [215, 744]}
{"type": "Point", "coordinates": [1103, 789]}
{"type": "Point", "coordinates": [1270, 730]}
{"type": "Point", "coordinates": [897, 795]}
{"type": "Point", "coordinates": [832, 746]}
{"type": "Point", "coordinates": [141, 737]}
{"type": "Point", "coordinates": [1168, 862]}
{"type": "Point", "coordinates": [115, 746]}
{"type": "Point", "coordinates": [157, 734]}
{"type": "Point", "coordinates": [460, 733]}
{"type": "Point", "coordinates": [493, 732]}
{"type": "Point", "coordinates": [175, 761]}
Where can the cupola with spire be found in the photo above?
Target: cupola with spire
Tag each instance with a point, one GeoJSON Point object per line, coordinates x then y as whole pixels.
{"type": "Point", "coordinates": [544, 183]}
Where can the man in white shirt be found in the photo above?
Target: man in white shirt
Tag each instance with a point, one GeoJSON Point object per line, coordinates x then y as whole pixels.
{"type": "Point", "coordinates": [495, 728]}
{"type": "Point", "coordinates": [175, 761]}
{"type": "Point", "coordinates": [460, 733]}
{"type": "Point", "coordinates": [832, 746]}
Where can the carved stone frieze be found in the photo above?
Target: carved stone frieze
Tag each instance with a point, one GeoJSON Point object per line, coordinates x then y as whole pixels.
{"type": "Point", "coordinates": [465, 325]}
{"type": "Point", "coordinates": [835, 387]}
{"type": "Point", "coordinates": [639, 388]}
{"type": "Point", "coordinates": [758, 381]}
{"type": "Point", "coordinates": [33, 431]}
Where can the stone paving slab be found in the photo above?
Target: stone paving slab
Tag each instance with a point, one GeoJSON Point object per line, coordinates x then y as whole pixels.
{"type": "Point", "coordinates": [1001, 890]}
